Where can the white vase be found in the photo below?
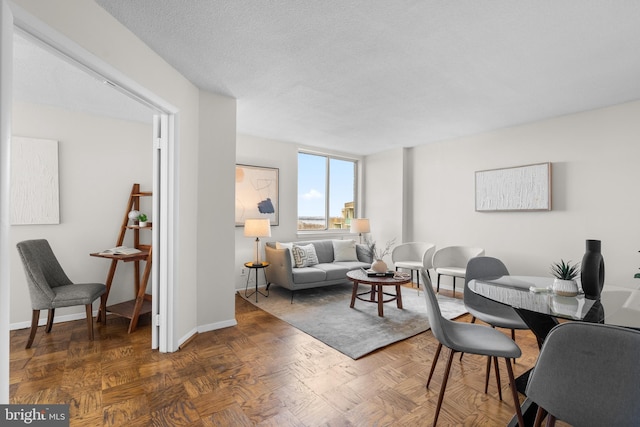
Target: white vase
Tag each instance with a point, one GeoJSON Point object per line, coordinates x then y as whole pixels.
{"type": "Point", "coordinates": [565, 288]}
{"type": "Point", "coordinates": [379, 266]}
{"type": "Point", "coordinates": [142, 224]}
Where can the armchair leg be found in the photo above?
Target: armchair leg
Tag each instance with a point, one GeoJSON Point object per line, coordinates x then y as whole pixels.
{"type": "Point", "coordinates": [34, 327]}
{"type": "Point", "coordinates": [438, 283]}
{"type": "Point", "coordinates": [90, 321]}
{"type": "Point", "coordinates": [52, 313]}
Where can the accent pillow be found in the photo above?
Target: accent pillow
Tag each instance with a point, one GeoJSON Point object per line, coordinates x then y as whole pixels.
{"type": "Point", "coordinates": [344, 250]}
{"type": "Point", "coordinates": [305, 256]}
{"type": "Point", "coordinates": [287, 246]}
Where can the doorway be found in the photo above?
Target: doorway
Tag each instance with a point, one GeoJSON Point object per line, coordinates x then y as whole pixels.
{"type": "Point", "coordinates": [15, 20]}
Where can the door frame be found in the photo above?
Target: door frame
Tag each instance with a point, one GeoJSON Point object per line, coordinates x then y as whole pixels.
{"type": "Point", "coordinates": [13, 18]}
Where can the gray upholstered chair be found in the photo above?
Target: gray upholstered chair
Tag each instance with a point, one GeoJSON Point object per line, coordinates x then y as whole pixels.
{"type": "Point", "coordinates": [452, 261]}
{"type": "Point", "coordinates": [50, 288]}
{"type": "Point", "coordinates": [491, 312]}
{"type": "Point", "coordinates": [467, 338]}
{"type": "Point", "coordinates": [587, 375]}
{"type": "Point", "coordinates": [413, 256]}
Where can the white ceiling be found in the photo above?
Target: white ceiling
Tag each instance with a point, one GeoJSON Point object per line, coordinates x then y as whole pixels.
{"type": "Point", "coordinates": [363, 76]}
{"type": "Point", "coordinates": [43, 77]}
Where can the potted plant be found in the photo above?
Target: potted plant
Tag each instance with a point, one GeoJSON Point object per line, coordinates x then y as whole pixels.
{"type": "Point", "coordinates": [378, 265]}
{"type": "Point", "coordinates": [142, 220]}
{"type": "Point", "coordinates": [565, 275]}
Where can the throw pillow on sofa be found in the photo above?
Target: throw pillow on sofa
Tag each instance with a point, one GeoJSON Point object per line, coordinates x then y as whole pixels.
{"type": "Point", "coordinates": [344, 250]}
{"type": "Point", "coordinates": [304, 256]}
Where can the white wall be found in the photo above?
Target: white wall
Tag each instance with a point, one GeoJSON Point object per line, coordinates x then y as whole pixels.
{"type": "Point", "coordinates": [99, 160]}
{"type": "Point", "coordinates": [384, 197]}
{"type": "Point", "coordinates": [216, 190]}
{"type": "Point", "coordinates": [256, 151]}
{"type": "Point", "coordinates": [595, 176]}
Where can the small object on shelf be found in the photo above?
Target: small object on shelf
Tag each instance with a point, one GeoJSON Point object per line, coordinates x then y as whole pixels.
{"type": "Point", "coordinates": [120, 250]}
{"type": "Point", "coordinates": [142, 220]}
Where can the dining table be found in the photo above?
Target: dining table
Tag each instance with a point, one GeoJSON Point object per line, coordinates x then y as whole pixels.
{"type": "Point", "coordinates": [533, 299]}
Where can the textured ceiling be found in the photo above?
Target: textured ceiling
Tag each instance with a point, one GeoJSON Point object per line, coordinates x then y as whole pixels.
{"type": "Point", "coordinates": [42, 77]}
{"type": "Point", "coordinates": [364, 76]}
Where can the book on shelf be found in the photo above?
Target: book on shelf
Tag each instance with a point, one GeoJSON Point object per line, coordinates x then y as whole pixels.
{"type": "Point", "coordinates": [120, 250]}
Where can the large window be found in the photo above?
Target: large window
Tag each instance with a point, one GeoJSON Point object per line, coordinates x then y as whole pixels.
{"type": "Point", "coordinates": [326, 192]}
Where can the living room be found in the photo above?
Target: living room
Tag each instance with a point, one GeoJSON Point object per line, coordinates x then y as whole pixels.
{"type": "Point", "coordinates": [420, 193]}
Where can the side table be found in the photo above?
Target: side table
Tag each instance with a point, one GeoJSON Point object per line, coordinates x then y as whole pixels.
{"type": "Point", "coordinates": [253, 266]}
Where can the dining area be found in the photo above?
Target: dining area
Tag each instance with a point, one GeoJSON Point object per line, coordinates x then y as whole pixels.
{"type": "Point", "coordinates": [587, 371]}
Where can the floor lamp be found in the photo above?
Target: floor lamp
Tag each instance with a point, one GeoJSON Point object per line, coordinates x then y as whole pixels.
{"type": "Point", "coordinates": [360, 225]}
{"type": "Point", "coordinates": [257, 228]}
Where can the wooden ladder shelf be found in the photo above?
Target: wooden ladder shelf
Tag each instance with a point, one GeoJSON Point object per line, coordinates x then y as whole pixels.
{"type": "Point", "coordinates": [142, 303]}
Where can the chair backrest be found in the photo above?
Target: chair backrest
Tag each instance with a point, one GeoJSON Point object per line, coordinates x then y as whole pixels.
{"type": "Point", "coordinates": [455, 256]}
{"type": "Point", "coordinates": [411, 251]}
{"type": "Point", "coordinates": [587, 373]}
{"type": "Point", "coordinates": [43, 271]}
{"type": "Point", "coordinates": [482, 267]}
{"type": "Point", "coordinates": [427, 258]}
{"type": "Point", "coordinates": [437, 323]}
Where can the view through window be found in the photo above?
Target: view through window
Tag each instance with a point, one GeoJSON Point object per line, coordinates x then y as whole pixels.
{"type": "Point", "coordinates": [326, 192]}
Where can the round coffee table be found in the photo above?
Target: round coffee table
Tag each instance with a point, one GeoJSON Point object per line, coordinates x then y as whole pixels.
{"type": "Point", "coordinates": [376, 294]}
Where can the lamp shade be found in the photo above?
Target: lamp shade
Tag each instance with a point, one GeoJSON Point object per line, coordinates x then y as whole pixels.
{"type": "Point", "coordinates": [257, 227]}
{"type": "Point", "coordinates": [360, 225]}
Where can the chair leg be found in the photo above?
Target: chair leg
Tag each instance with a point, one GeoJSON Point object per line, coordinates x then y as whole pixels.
{"type": "Point", "coordinates": [35, 316]}
{"type": "Point", "coordinates": [52, 313]}
{"type": "Point", "coordinates": [486, 374]}
{"type": "Point", "coordinates": [514, 392]}
{"type": "Point", "coordinates": [454, 286]}
{"type": "Point", "coordinates": [434, 363]}
{"type": "Point", "coordinates": [90, 321]}
{"type": "Point", "coordinates": [438, 283]}
{"type": "Point", "coordinates": [443, 387]}
{"type": "Point", "coordinates": [495, 365]}
{"type": "Point", "coordinates": [540, 414]}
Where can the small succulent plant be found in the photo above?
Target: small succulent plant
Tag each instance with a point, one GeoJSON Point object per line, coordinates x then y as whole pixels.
{"type": "Point", "coordinates": [142, 217]}
{"type": "Point", "coordinates": [565, 270]}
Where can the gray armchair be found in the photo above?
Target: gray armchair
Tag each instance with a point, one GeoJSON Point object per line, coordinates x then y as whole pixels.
{"type": "Point", "coordinates": [50, 288]}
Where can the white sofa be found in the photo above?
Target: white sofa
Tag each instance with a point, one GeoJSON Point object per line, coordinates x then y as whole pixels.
{"type": "Point", "coordinates": [335, 258]}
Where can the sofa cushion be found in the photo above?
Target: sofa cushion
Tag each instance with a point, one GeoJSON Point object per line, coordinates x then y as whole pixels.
{"type": "Point", "coordinates": [305, 256]}
{"type": "Point", "coordinates": [333, 271]}
{"type": "Point", "coordinates": [344, 250]}
{"type": "Point", "coordinates": [308, 275]}
{"type": "Point", "coordinates": [324, 250]}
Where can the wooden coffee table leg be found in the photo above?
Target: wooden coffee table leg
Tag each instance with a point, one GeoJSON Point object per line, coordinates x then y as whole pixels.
{"type": "Point", "coordinates": [354, 293]}
{"type": "Point", "coordinates": [398, 296]}
{"type": "Point", "coordinates": [380, 301]}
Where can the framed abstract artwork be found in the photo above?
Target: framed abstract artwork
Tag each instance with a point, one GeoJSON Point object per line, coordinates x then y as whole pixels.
{"type": "Point", "coordinates": [256, 193]}
{"type": "Point", "coordinates": [519, 188]}
{"type": "Point", "coordinates": [34, 181]}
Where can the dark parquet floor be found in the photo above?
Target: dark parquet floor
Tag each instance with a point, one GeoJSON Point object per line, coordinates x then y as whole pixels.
{"type": "Point", "coordinates": [261, 372]}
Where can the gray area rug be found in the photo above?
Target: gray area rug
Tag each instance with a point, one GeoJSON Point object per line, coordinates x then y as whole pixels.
{"type": "Point", "coordinates": [324, 313]}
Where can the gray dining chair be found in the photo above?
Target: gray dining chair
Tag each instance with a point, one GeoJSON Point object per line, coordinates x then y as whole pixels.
{"type": "Point", "coordinates": [50, 288]}
{"type": "Point", "coordinates": [586, 375]}
{"type": "Point", "coordinates": [490, 312]}
{"type": "Point", "coordinates": [468, 338]}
